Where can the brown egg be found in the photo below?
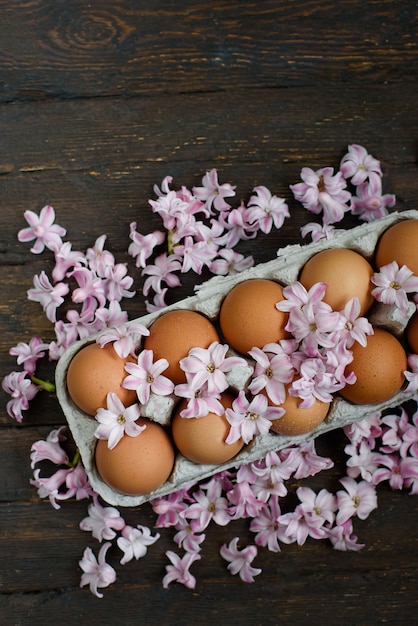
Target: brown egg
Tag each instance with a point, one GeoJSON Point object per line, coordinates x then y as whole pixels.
{"type": "Point", "coordinates": [297, 420]}
{"type": "Point", "coordinates": [412, 333]}
{"type": "Point", "coordinates": [379, 368]}
{"type": "Point", "coordinates": [346, 273]}
{"type": "Point", "coordinates": [202, 439]}
{"type": "Point", "coordinates": [137, 465]}
{"type": "Point", "coordinates": [399, 243]}
{"type": "Point", "coordinates": [93, 372]}
{"type": "Point", "coordinates": [173, 334]}
{"type": "Point", "coordinates": [248, 316]}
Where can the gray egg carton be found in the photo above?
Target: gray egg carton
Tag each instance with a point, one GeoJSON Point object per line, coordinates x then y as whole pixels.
{"type": "Point", "coordinates": [285, 269]}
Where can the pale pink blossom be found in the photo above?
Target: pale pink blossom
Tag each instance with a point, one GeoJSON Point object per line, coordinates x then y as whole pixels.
{"type": "Point", "coordinates": [110, 316]}
{"type": "Point", "coordinates": [117, 283]}
{"type": "Point", "coordinates": [96, 572]}
{"type": "Point", "coordinates": [65, 259]}
{"type": "Point", "coordinates": [22, 391]}
{"type": "Point", "coordinates": [83, 322]}
{"type": "Point", "coordinates": [315, 380]}
{"type": "Point", "coordinates": [78, 485]}
{"type": "Point", "coordinates": [28, 353]}
{"type": "Point", "coordinates": [357, 164]}
{"type": "Point", "coordinates": [142, 246]}
{"type": "Point", "coordinates": [158, 301]}
{"type": "Point", "coordinates": [187, 536]}
{"type": "Point", "coordinates": [410, 474]}
{"type": "Point", "coordinates": [163, 271]}
{"type": "Point", "coordinates": [209, 504]}
{"type": "Point", "coordinates": [146, 377]}
{"type": "Point", "coordinates": [125, 338]}
{"type": "Point", "coordinates": [116, 421]}
{"type": "Point", "coordinates": [395, 470]}
{"type": "Point", "coordinates": [49, 486]}
{"type": "Point", "coordinates": [266, 210]}
{"type": "Point", "coordinates": [212, 193]}
{"type": "Point", "coordinates": [90, 288]}
{"type": "Point", "coordinates": [48, 295]}
{"type": "Point", "coordinates": [319, 232]}
{"type": "Point", "coordinates": [342, 538]}
{"type": "Point", "coordinates": [102, 522]}
{"type": "Point", "coordinates": [322, 505]}
{"type": "Point", "coordinates": [208, 367]}
{"type": "Point", "coordinates": [237, 227]}
{"type": "Point", "coordinates": [267, 528]}
{"type": "Point", "coordinates": [323, 191]}
{"type": "Point", "coordinates": [368, 428]}
{"type": "Point", "coordinates": [169, 206]}
{"type": "Point", "coordinates": [273, 370]}
{"type": "Point", "coordinates": [199, 401]}
{"type": "Point", "coordinates": [358, 498]}
{"type": "Point", "coordinates": [274, 465]}
{"type": "Point", "coordinates": [179, 570]}
{"type": "Point", "coordinates": [411, 374]}
{"type": "Point", "coordinates": [305, 459]}
{"type": "Point", "coordinates": [267, 486]}
{"type": "Point", "coordinates": [296, 296]}
{"type": "Point", "coordinates": [229, 263]}
{"type": "Point", "coordinates": [312, 326]}
{"type": "Point", "coordinates": [66, 336]}
{"type": "Point", "coordinates": [239, 561]}
{"type": "Point", "coordinates": [243, 502]}
{"type": "Point", "coordinates": [393, 431]}
{"type": "Point", "coordinates": [370, 203]}
{"type": "Point", "coordinates": [42, 229]}
{"type": "Point", "coordinates": [410, 438]}
{"type": "Point", "coordinates": [393, 284]}
{"type": "Point", "coordinates": [170, 508]}
{"type": "Point", "coordinates": [249, 418]}
{"type": "Point", "coordinates": [352, 327]}
{"type": "Point", "coordinates": [300, 526]}
{"type": "Point", "coordinates": [99, 259]}
{"type": "Point", "coordinates": [195, 255]}
{"type": "Point", "coordinates": [134, 542]}
{"type": "Point", "coordinates": [50, 449]}
{"type": "Point", "coordinates": [362, 461]}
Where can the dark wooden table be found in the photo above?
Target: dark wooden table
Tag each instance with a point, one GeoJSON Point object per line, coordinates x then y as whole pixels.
{"type": "Point", "coordinates": [100, 101]}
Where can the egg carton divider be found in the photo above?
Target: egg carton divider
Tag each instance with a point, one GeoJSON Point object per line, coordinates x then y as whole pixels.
{"type": "Point", "coordinates": [284, 268]}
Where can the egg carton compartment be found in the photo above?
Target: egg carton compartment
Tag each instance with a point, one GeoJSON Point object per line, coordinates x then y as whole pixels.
{"type": "Point", "coordinates": [208, 297]}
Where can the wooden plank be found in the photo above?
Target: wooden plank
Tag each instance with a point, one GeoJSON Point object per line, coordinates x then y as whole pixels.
{"type": "Point", "coordinates": [56, 50]}
{"type": "Point", "coordinates": [297, 583]}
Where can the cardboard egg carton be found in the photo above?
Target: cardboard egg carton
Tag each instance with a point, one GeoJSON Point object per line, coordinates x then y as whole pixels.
{"type": "Point", "coordinates": [285, 269]}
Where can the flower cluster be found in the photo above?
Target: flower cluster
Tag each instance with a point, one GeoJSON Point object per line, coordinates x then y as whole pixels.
{"type": "Point", "coordinates": [201, 231]}
{"type": "Point", "coordinates": [326, 192]}
{"type": "Point", "coordinates": [258, 492]}
{"type": "Point", "coordinates": [385, 448]}
{"type": "Point", "coordinates": [323, 340]}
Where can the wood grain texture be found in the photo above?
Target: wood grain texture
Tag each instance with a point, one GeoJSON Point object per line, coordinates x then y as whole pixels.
{"type": "Point", "coordinates": [100, 101]}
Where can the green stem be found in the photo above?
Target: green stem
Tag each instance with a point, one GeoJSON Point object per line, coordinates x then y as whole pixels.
{"type": "Point", "coordinates": [43, 384]}
{"type": "Point", "coordinates": [170, 244]}
{"type": "Point", "coordinates": [76, 459]}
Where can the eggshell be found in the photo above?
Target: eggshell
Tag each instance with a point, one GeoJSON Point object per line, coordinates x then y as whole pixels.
{"type": "Point", "coordinates": [379, 368]}
{"type": "Point", "coordinates": [399, 243]}
{"type": "Point", "coordinates": [174, 333]}
{"type": "Point", "coordinates": [202, 439]}
{"type": "Point", "coordinates": [94, 372]}
{"type": "Point", "coordinates": [346, 273]}
{"type": "Point", "coordinates": [248, 316]}
{"type": "Point", "coordinates": [297, 420]}
{"type": "Point", "coordinates": [137, 465]}
{"type": "Point", "coordinates": [412, 333]}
